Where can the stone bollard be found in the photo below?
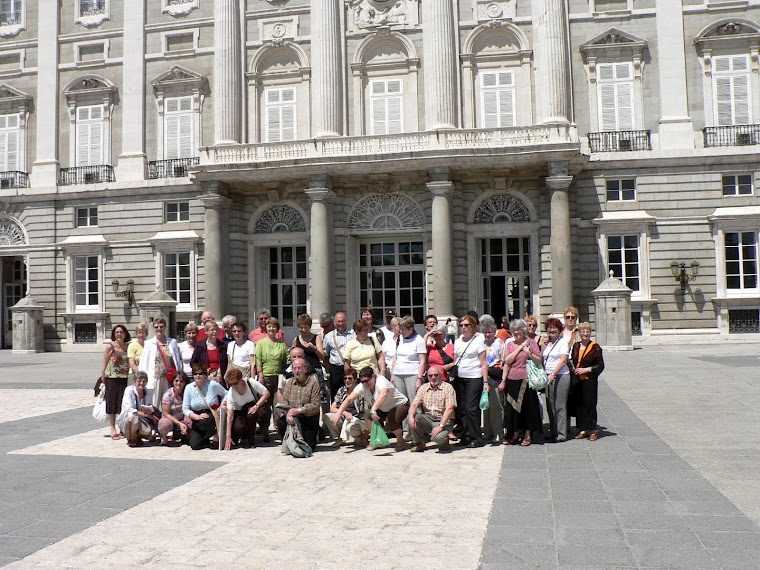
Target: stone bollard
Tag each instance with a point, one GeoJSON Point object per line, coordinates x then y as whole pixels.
{"type": "Point", "coordinates": [612, 300]}
{"type": "Point", "coordinates": [27, 327]}
{"type": "Point", "coordinates": [158, 304]}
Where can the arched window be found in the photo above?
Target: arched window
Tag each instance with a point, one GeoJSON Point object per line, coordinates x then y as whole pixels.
{"type": "Point", "coordinates": [11, 232]}
{"type": "Point", "coordinates": [386, 213]}
{"type": "Point", "coordinates": [278, 219]}
{"type": "Point", "coordinates": [501, 208]}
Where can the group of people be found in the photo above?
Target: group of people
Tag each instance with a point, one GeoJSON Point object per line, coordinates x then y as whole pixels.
{"type": "Point", "coordinates": [223, 386]}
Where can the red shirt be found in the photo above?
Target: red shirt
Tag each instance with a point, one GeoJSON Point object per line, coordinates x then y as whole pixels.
{"type": "Point", "coordinates": [434, 357]}
{"type": "Point", "coordinates": [213, 358]}
{"type": "Point", "coordinates": [202, 334]}
{"type": "Point", "coordinates": [257, 334]}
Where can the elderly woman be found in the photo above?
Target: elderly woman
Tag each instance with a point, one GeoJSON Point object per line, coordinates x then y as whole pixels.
{"type": "Point", "coordinates": [472, 376]}
{"type": "Point", "coordinates": [521, 410]}
{"type": "Point", "coordinates": [410, 361]}
{"type": "Point", "coordinates": [241, 352]}
{"type": "Point", "coordinates": [570, 330]}
{"type": "Point", "coordinates": [350, 426]}
{"type": "Point", "coordinates": [493, 417]}
{"type": "Point", "coordinates": [389, 345]}
{"type": "Point", "coordinates": [589, 364]}
{"type": "Point", "coordinates": [211, 353]}
{"type": "Point", "coordinates": [439, 351]}
{"type": "Point", "coordinates": [531, 327]}
{"type": "Point", "coordinates": [138, 418]}
{"type": "Point", "coordinates": [364, 350]}
{"type": "Point", "coordinates": [199, 403]}
{"type": "Point", "coordinates": [114, 373]}
{"type": "Point", "coordinates": [172, 418]}
{"type": "Point", "coordinates": [135, 349]}
{"type": "Point", "coordinates": [187, 348]}
{"type": "Point", "coordinates": [555, 355]}
{"type": "Point", "coordinates": [368, 316]}
{"type": "Point", "coordinates": [160, 359]}
{"type": "Point", "coordinates": [271, 355]}
{"type": "Point", "coordinates": [245, 408]}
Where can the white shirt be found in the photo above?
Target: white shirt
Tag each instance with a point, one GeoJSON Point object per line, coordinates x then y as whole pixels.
{"type": "Point", "coordinates": [408, 354]}
{"type": "Point", "coordinates": [393, 399]}
{"type": "Point", "coordinates": [334, 343]}
{"type": "Point", "coordinates": [552, 355]}
{"type": "Point", "coordinates": [389, 350]}
{"type": "Point", "coordinates": [467, 356]}
{"type": "Point", "coordinates": [241, 354]}
{"type": "Point", "coordinates": [253, 391]}
{"type": "Point", "coordinates": [186, 353]}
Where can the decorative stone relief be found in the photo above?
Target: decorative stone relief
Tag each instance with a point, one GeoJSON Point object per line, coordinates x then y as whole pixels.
{"type": "Point", "coordinates": [11, 233]}
{"type": "Point", "coordinates": [501, 208]}
{"type": "Point", "coordinates": [278, 30]}
{"type": "Point", "coordinates": [494, 9]}
{"type": "Point", "coordinates": [614, 45]}
{"type": "Point", "coordinates": [387, 212]}
{"type": "Point", "coordinates": [378, 13]}
{"type": "Point", "coordinates": [279, 218]}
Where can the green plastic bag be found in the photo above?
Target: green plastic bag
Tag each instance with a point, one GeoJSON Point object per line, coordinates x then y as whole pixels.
{"type": "Point", "coordinates": [377, 437]}
{"type": "Point", "coordinates": [484, 402]}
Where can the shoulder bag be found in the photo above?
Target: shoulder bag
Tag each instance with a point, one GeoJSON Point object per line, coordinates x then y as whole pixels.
{"type": "Point", "coordinates": [454, 372]}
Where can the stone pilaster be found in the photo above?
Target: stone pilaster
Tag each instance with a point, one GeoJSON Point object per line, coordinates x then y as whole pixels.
{"type": "Point", "coordinates": [227, 73]}
{"type": "Point", "coordinates": [45, 167]}
{"type": "Point", "coordinates": [327, 69]}
{"type": "Point", "coordinates": [559, 244]}
{"type": "Point", "coordinates": [214, 246]}
{"type": "Point", "coordinates": [551, 58]}
{"type": "Point", "coordinates": [439, 48]}
{"type": "Point", "coordinates": [443, 248]}
{"type": "Point", "coordinates": [321, 251]}
{"type": "Point", "coordinates": [133, 164]}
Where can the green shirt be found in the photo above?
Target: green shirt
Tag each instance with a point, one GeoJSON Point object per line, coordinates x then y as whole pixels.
{"type": "Point", "coordinates": [271, 356]}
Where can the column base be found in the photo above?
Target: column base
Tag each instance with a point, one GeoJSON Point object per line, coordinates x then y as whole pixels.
{"type": "Point", "coordinates": [44, 174]}
{"type": "Point", "coordinates": [132, 167]}
{"type": "Point", "coordinates": [676, 133]}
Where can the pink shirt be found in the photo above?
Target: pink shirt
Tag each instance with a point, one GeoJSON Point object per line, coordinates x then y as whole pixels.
{"type": "Point", "coordinates": [257, 334]}
{"type": "Point", "coordinates": [517, 370]}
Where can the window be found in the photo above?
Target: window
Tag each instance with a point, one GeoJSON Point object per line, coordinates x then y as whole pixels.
{"type": "Point", "coordinates": [287, 283]}
{"type": "Point", "coordinates": [737, 185]}
{"type": "Point", "coordinates": [177, 282]}
{"type": "Point", "coordinates": [92, 7]}
{"type": "Point", "coordinates": [280, 113]}
{"type": "Point", "coordinates": [87, 217]}
{"type": "Point", "coordinates": [624, 189]}
{"type": "Point", "coordinates": [10, 12]}
{"type": "Point", "coordinates": [178, 211]}
{"type": "Point", "coordinates": [386, 107]}
{"type": "Point", "coordinates": [89, 136]}
{"type": "Point", "coordinates": [623, 259]}
{"type": "Point", "coordinates": [732, 90]}
{"type": "Point", "coordinates": [497, 90]}
{"type": "Point", "coordinates": [9, 143]}
{"type": "Point", "coordinates": [86, 283]}
{"type": "Point", "coordinates": [505, 273]}
{"type": "Point", "coordinates": [180, 42]}
{"type": "Point", "coordinates": [92, 13]}
{"type": "Point", "coordinates": [615, 85]}
{"type": "Point", "coordinates": [178, 127]}
{"type": "Point", "coordinates": [85, 333]}
{"type": "Point", "coordinates": [91, 52]}
{"type": "Point", "coordinates": [741, 260]}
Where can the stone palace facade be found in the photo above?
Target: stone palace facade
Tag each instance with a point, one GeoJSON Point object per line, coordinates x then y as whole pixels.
{"type": "Point", "coordinates": [431, 156]}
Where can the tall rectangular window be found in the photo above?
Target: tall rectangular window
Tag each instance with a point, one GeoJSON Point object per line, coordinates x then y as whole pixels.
{"type": "Point", "coordinates": [624, 189]}
{"type": "Point", "coordinates": [288, 268]}
{"type": "Point", "coordinates": [9, 143]}
{"type": "Point", "coordinates": [87, 217]}
{"type": "Point", "coordinates": [177, 277]}
{"type": "Point", "coordinates": [280, 114]}
{"type": "Point", "coordinates": [86, 283]}
{"type": "Point", "coordinates": [741, 260]}
{"type": "Point", "coordinates": [178, 127]}
{"type": "Point", "coordinates": [615, 85]}
{"type": "Point", "coordinates": [623, 259]}
{"type": "Point", "coordinates": [386, 106]}
{"type": "Point", "coordinates": [732, 90]}
{"type": "Point", "coordinates": [737, 185]}
{"type": "Point", "coordinates": [89, 139]}
{"type": "Point", "coordinates": [497, 90]}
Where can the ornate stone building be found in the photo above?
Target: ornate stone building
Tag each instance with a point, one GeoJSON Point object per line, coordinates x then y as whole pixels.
{"type": "Point", "coordinates": [431, 156]}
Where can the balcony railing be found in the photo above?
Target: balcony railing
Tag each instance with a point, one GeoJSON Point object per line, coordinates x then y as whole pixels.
{"type": "Point", "coordinates": [619, 141]}
{"type": "Point", "coordinates": [733, 135]}
{"type": "Point", "coordinates": [171, 168]}
{"type": "Point", "coordinates": [86, 175]}
{"type": "Point", "coordinates": [388, 144]}
{"type": "Point", "coordinates": [10, 18]}
{"type": "Point", "coordinates": [92, 7]}
{"type": "Point", "coordinates": [14, 179]}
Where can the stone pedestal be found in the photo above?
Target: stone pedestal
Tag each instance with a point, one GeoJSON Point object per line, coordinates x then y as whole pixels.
{"type": "Point", "coordinates": [612, 301]}
{"type": "Point", "coordinates": [321, 248]}
{"type": "Point", "coordinates": [28, 336]}
{"type": "Point", "coordinates": [159, 305]}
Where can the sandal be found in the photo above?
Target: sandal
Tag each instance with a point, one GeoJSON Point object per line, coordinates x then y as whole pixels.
{"type": "Point", "coordinates": [594, 436]}
{"type": "Point", "coordinates": [582, 435]}
{"type": "Point", "coordinates": [525, 442]}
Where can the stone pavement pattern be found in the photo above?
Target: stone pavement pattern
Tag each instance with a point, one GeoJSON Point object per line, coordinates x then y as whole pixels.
{"type": "Point", "coordinates": [654, 492]}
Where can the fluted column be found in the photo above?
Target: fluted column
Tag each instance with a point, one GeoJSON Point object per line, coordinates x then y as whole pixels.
{"type": "Point", "coordinates": [551, 58]}
{"type": "Point", "coordinates": [327, 69]}
{"type": "Point", "coordinates": [321, 252]}
{"type": "Point", "coordinates": [132, 163]}
{"type": "Point", "coordinates": [439, 66]}
{"type": "Point", "coordinates": [443, 248]}
{"type": "Point", "coordinates": [559, 244]}
{"type": "Point", "coordinates": [45, 167]}
{"type": "Point", "coordinates": [214, 248]}
{"type": "Point", "coordinates": [227, 73]}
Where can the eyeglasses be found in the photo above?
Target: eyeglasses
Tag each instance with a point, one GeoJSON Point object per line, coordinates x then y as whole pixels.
{"type": "Point", "coordinates": [199, 373]}
{"type": "Point", "coordinates": [465, 325]}
{"type": "Point", "coordinates": [531, 325]}
{"type": "Point", "coordinates": [570, 317]}
{"type": "Point", "coordinates": [365, 380]}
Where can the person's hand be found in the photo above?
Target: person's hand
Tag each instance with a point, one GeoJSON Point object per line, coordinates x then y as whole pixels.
{"type": "Point", "coordinates": [228, 444]}
{"type": "Point", "coordinates": [253, 409]}
{"type": "Point", "coordinates": [203, 416]}
{"type": "Point", "coordinates": [336, 419]}
{"type": "Point", "coordinates": [551, 377]}
{"type": "Point", "coordinates": [373, 414]}
{"type": "Point", "coordinates": [486, 387]}
{"type": "Point", "coordinates": [348, 416]}
{"type": "Point", "coordinates": [289, 419]}
{"type": "Point", "coordinates": [183, 429]}
{"type": "Point", "coordinates": [502, 385]}
{"type": "Point", "coordinates": [436, 430]}
{"type": "Point", "coordinates": [224, 404]}
{"type": "Point", "coordinates": [97, 385]}
{"type": "Point", "coordinates": [413, 423]}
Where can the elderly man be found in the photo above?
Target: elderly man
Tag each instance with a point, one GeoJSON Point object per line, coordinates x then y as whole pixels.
{"type": "Point", "coordinates": [301, 395]}
{"type": "Point", "coordinates": [257, 334]}
{"type": "Point", "coordinates": [228, 321]}
{"type": "Point", "coordinates": [430, 412]}
{"type": "Point", "coordinates": [333, 344]}
{"type": "Point", "coordinates": [206, 317]}
{"type": "Point", "coordinates": [351, 425]}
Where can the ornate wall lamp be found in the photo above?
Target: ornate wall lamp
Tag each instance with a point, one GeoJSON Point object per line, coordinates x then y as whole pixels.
{"type": "Point", "coordinates": [680, 275]}
{"type": "Point", "coordinates": [128, 293]}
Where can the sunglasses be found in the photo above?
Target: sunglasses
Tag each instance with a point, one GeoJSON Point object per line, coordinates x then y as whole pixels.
{"type": "Point", "coordinates": [199, 373]}
{"type": "Point", "coordinates": [570, 317]}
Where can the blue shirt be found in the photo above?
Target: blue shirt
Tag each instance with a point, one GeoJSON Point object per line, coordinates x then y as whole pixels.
{"type": "Point", "coordinates": [192, 401]}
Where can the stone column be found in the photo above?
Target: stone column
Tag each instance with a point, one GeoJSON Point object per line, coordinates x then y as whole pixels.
{"type": "Point", "coordinates": [227, 73]}
{"type": "Point", "coordinates": [561, 251]}
{"type": "Point", "coordinates": [676, 129]}
{"type": "Point", "coordinates": [440, 61]}
{"type": "Point", "coordinates": [45, 167]}
{"type": "Point", "coordinates": [327, 69]}
{"type": "Point", "coordinates": [320, 278]}
{"type": "Point", "coordinates": [214, 247]}
{"type": "Point", "coordinates": [551, 58]}
{"type": "Point", "coordinates": [443, 247]}
{"type": "Point", "coordinates": [133, 163]}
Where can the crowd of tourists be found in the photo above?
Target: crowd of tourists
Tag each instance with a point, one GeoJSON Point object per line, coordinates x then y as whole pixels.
{"type": "Point", "coordinates": [470, 383]}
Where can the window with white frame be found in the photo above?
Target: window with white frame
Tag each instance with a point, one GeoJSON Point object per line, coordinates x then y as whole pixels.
{"type": "Point", "coordinates": [280, 114]}
{"type": "Point", "coordinates": [10, 137]}
{"type": "Point", "coordinates": [87, 217]}
{"type": "Point", "coordinates": [92, 7]}
{"type": "Point", "coordinates": [497, 91]}
{"type": "Point", "coordinates": [11, 12]}
{"type": "Point", "coordinates": [86, 283]}
{"type": "Point", "coordinates": [622, 189]}
{"type": "Point", "coordinates": [741, 260]}
{"type": "Point", "coordinates": [737, 184]}
{"type": "Point", "coordinates": [178, 127]}
{"type": "Point", "coordinates": [90, 128]}
{"type": "Point", "coordinates": [615, 96]}
{"type": "Point", "coordinates": [92, 13]}
{"type": "Point", "coordinates": [386, 105]}
{"type": "Point", "coordinates": [178, 211]}
{"type": "Point", "coordinates": [623, 259]}
{"type": "Point", "coordinates": [177, 276]}
{"type": "Point", "coordinates": [731, 85]}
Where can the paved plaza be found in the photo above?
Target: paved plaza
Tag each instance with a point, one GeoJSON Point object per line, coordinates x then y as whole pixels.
{"type": "Point", "coordinates": [671, 484]}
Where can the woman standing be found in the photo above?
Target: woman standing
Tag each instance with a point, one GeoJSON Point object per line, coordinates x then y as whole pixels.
{"type": "Point", "coordinates": [172, 418]}
{"type": "Point", "coordinates": [493, 417]}
{"type": "Point", "coordinates": [138, 418]}
{"type": "Point", "coordinates": [271, 356]}
{"type": "Point", "coordinates": [114, 374]}
{"type": "Point", "coordinates": [240, 352]}
{"type": "Point", "coordinates": [313, 356]}
{"type": "Point", "coordinates": [409, 362]}
{"type": "Point", "coordinates": [187, 347]}
{"type": "Point", "coordinates": [589, 364]}
{"type": "Point", "coordinates": [570, 330]}
{"type": "Point", "coordinates": [555, 355]}
{"type": "Point", "coordinates": [211, 353]}
{"type": "Point", "coordinates": [368, 316]}
{"type": "Point", "coordinates": [160, 356]}
{"type": "Point", "coordinates": [521, 411]}
{"type": "Point", "coordinates": [439, 351]}
{"type": "Point", "coordinates": [135, 349]}
{"type": "Point", "coordinates": [364, 350]}
{"type": "Point", "coordinates": [390, 344]}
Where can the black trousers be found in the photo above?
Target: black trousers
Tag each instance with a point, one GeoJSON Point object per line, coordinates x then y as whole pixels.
{"type": "Point", "coordinates": [471, 388]}
{"type": "Point", "coordinates": [586, 394]}
{"type": "Point", "coordinates": [336, 379]}
{"type": "Point", "coordinates": [202, 430]}
{"type": "Point", "coordinates": [309, 428]}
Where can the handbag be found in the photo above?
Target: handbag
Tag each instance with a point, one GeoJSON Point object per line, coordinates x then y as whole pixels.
{"type": "Point", "coordinates": [454, 372]}
{"type": "Point", "coordinates": [537, 378]}
{"type": "Point", "coordinates": [170, 372]}
{"type": "Point", "coordinates": [99, 409]}
{"type": "Point", "coordinates": [293, 442]}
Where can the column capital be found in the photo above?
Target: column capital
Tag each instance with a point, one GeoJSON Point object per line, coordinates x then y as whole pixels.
{"type": "Point", "coordinates": [440, 188]}
{"type": "Point", "coordinates": [558, 182]}
{"type": "Point", "coordinates": [214, 200]}
{"type": "Point", "coordinates": [320, 194]}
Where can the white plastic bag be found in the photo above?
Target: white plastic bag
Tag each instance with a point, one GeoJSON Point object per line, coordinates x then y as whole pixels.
{"type": "Point", "coordinates": [99, 409]}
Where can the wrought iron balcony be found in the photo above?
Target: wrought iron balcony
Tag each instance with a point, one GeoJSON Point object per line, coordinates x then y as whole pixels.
{"type": "Point", "coordinates": [733, 135]}
{"type": "Point", "coordinates": [171, 168]}
{"type": "Point", "coordinates": [619, 141]}
{"type": "Point", "coordinates": [14, 179]}
{"type": "Point", "coordinates": [10, 18]}
{"type": "Point", "coordinates": [86, 175]}
{"type": "Point", "coordinates": [93, 7]}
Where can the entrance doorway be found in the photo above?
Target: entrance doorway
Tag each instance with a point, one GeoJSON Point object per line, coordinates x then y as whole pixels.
{"type": "Point", "coordinates": [505, 277]}
{"type": "Point", "coordinates": [13, 275]}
